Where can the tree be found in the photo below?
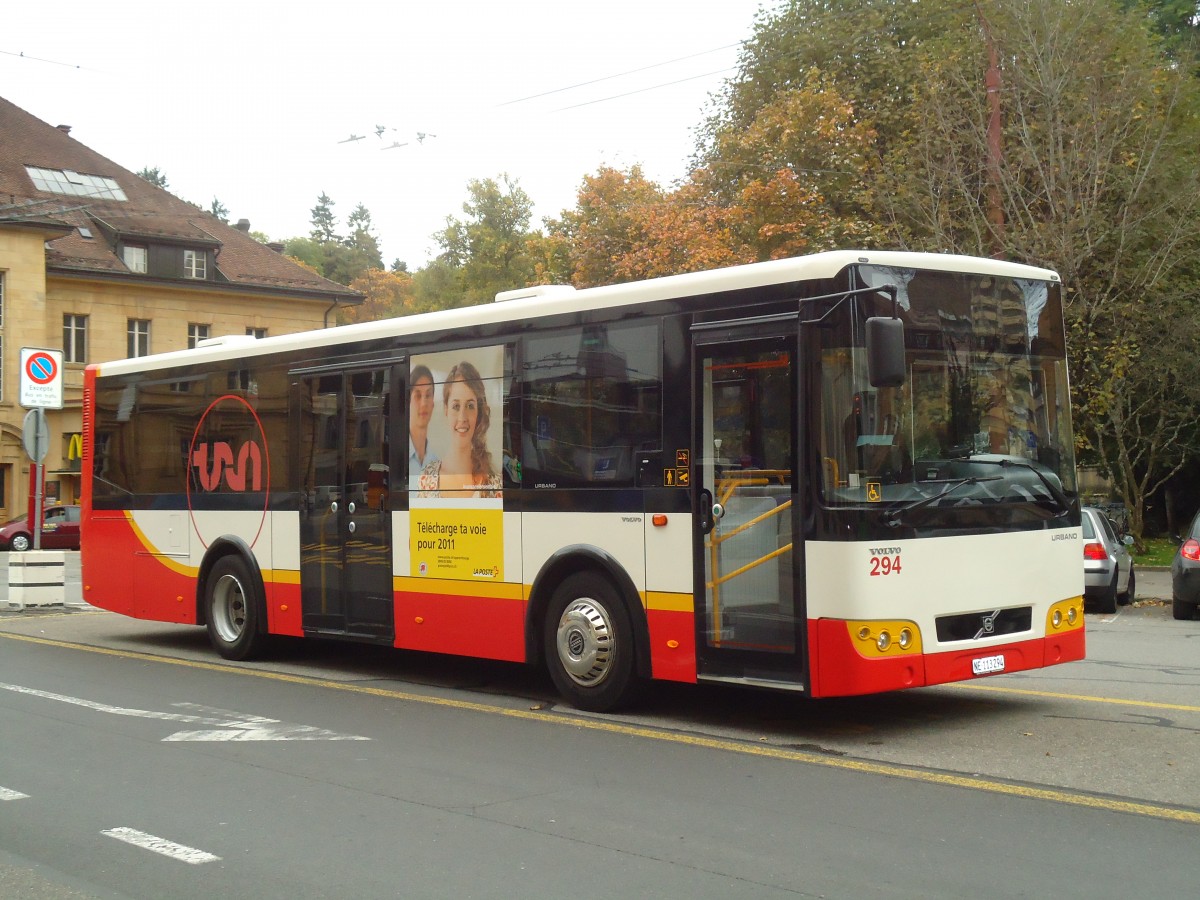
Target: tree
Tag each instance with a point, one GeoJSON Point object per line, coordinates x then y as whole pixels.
{"type": "Point", "coordinates": [1098, 179]}
{"type": "Point", "coordinates": [798, 172]}
{"type": "Point", "coordinates": [218, 209]}
{"type": "Point", "coordinates": [323, 221]}
{"type": "Point", "coordinates": [1097, 176]}
{"type": "Point", "coordinates": [607, 224]}
{"type": "Point", "coordinates": [354, 255]}
{"type": "Point", "coordinates": [154, 176]}
{"type": "Point", "coordinates": [387, 294]}
{"type": "Point", "coordinates": [306, 251]}
{"type": "Point", "coordinates": [869, 51]}
{"type": "Point", "coordinates": [489, 251]}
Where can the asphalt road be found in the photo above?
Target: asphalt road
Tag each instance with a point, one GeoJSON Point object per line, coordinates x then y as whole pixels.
{"type": "Point", "coordinates": [136, 763]}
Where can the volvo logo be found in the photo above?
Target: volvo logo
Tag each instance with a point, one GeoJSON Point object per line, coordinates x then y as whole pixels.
{"type": "Point", "coordinates": [987, 624]}
{"type": "Point", "coordinates": [576, 643]}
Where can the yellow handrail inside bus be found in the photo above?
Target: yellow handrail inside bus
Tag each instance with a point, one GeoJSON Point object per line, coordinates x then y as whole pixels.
{"type": "Point", "coordinates": [725, 489]}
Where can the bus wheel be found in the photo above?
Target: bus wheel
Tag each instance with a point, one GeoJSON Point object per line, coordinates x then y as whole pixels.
{"type": "Point", "coordinates": [231, 597]}
{"type": "Point", "coordinates": [589, 643]}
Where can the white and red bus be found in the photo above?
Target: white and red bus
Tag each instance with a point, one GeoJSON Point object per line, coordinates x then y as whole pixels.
{"type": "Point", "coordinates": [838, 474]}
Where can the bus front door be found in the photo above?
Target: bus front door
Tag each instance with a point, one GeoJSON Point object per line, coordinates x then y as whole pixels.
{"type": "Point", "coordinates": [345, 519]}
{"type": "Point", "coordinates": [749, 608]}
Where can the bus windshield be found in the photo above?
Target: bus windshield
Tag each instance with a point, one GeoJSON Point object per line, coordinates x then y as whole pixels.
{"type": "Point", "coordinates": [982, 422]}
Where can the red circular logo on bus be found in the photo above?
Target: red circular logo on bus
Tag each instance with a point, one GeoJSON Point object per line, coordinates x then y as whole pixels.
{"type": "Point", "coordinates": [229, 467]}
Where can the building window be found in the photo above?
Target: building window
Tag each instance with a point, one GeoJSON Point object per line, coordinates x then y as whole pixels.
{"type": "Point", "coordinates": [195, 264]}
{"type": "Point", "coordinates": [1, 371]}
{"type": "Point", "coordinates": [74, 338]}
{"type": "Point", "coordinates": [139, 338]}
{"type": "Point", "coordinates": [259, 333]}
{"type": "Point", "coordinates": [75, 184]}
{"type": "Point", "coordinates": [1, 299]}
{"type": "Point", "coordinates": [197, 333]}
{"type": "Point", "coordinates": [134, 257]}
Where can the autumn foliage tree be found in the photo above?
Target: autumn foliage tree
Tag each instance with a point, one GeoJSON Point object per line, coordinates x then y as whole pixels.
{"type": "Point", "coordinates": [387, 293]}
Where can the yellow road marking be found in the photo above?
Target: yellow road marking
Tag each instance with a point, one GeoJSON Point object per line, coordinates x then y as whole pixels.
{"type": "Point", "coordinates": [1082, 698]}
{"type": "Point", "coordinates": [1053, 795]}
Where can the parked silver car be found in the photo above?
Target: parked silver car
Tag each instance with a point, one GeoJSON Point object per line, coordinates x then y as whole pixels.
{"type": "Point", "coordinates": [1108, 576]}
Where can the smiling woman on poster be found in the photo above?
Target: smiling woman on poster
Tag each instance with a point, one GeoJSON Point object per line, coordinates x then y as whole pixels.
{"type": "Point", "coordinates": [465, 469]}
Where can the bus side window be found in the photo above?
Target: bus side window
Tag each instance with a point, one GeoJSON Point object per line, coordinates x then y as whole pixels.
{"type": "Point", "coordinates": [591, 401]}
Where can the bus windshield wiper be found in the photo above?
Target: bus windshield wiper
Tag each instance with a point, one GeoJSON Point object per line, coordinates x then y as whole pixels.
{"type": "Point", "coordinates": [893, 517]}
{"type": "Point", "coordinates": [1005, 462]}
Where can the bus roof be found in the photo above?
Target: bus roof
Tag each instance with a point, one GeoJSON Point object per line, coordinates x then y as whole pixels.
{"type": "Point", "coordinates": [530, 303]}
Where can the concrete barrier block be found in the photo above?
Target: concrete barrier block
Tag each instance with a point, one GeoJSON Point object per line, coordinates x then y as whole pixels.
{"type": "Point", "coordinates": [37, 578]}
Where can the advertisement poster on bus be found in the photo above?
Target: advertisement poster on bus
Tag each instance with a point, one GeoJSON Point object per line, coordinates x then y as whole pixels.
{"type": "Point", "coordinates": [456, 404]}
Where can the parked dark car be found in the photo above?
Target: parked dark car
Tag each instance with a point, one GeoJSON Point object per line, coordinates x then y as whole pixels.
{"type": "Point", "coordinates": [1185, 574]}
{"type": "Point", "coordinates": [1108, 576]}
{"type": "Point", "coordinates": [60, 530]}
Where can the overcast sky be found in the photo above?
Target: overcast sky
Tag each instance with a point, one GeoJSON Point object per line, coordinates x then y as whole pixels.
{"type": "Point", "coordinates": [250, 101]}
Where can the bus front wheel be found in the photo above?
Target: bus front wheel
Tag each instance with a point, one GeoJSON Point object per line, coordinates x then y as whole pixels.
{"type": "Point", "coordinates": [589, 643]}
{"type": "Point", "coordinates": [233, 609]}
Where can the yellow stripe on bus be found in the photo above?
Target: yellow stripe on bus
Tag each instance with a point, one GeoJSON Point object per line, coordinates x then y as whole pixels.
{"type": "Point", "coordinates": [502, 590]}
{"type": "Point", "coordinates": [664, 601]}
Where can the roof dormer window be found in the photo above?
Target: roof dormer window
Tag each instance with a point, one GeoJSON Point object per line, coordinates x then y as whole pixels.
{"type": "Point", "coordinates": [134, 257]}
{"type": "Point", "coordinates": [195, 264]}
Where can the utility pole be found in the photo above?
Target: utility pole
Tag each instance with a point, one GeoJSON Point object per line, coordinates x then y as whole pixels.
{"type": "Point", "coordinates": [991, 81]}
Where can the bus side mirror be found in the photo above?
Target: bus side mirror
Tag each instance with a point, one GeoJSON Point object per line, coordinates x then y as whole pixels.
{"type": "Point", "coordinates": [885, 351]}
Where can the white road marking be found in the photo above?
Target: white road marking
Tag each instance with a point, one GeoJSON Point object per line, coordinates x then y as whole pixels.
{"type": "Point", "coordinates": [223, 725]}
{"type": "Point", "coordinates": [189, 855]}
{"type": "Point", "coordinates": [9, 794]}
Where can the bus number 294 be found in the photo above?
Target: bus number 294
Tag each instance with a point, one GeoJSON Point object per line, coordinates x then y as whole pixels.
{"type": "Point", "coordinates": [885, 564]}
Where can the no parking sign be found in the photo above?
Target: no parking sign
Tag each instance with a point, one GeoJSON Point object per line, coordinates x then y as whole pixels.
{"type": "Point", "coordinates": [41, 378]}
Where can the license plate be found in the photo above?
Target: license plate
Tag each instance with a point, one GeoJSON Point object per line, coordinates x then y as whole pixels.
{"type": "Point", "coordinates": [988, 665]}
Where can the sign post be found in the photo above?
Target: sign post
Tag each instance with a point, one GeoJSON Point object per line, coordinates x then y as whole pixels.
{"type": "Point", "coordinates": [41, 389]}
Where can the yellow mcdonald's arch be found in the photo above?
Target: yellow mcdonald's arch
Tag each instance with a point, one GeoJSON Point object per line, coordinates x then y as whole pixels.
{"type": "Point", "coordinates": [75, 447]}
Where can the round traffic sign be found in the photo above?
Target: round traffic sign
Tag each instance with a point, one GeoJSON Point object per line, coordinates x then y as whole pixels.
{"type": "Point", "coordinates": [41, 368]}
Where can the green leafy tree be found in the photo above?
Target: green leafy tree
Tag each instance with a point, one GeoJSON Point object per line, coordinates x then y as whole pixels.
{"type": "Point", "coordinates": [1097, 174]}
{"type": "Point", "coordinates": [1097, 179]}
{"type": "Point", "coordinates": [306, 251]}
{"type": "Point", "coordinates": [492, 249]}
{"type": "Point", "coordinates": [355, 254]}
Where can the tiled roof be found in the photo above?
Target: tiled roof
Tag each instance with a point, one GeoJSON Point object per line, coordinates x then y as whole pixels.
{"type": "Point", "coordinates": [149, 214]}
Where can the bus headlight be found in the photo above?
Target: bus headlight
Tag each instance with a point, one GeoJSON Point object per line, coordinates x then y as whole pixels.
{"type": "Point", "coordinates": [1065, 615]}
{"type": "Point", "coordinates": [874, 639]}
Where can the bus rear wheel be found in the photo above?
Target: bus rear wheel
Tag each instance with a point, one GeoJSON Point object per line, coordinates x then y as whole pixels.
{"type": "Point", "coordinates": [588, 642]}
{"type": "Point", "coordinates": [233, 610]}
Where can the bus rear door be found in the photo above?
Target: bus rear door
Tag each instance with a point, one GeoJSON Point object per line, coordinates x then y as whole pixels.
{"type": "Point", "coordinates": [345, 520]}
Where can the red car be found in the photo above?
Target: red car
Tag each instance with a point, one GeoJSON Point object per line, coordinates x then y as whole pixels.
{"type": "Point", "coordinates": [60, 531]}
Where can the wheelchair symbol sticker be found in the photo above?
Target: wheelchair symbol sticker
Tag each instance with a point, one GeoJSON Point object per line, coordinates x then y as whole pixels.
{"type": "Point", "coordinates": [874, 492]}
